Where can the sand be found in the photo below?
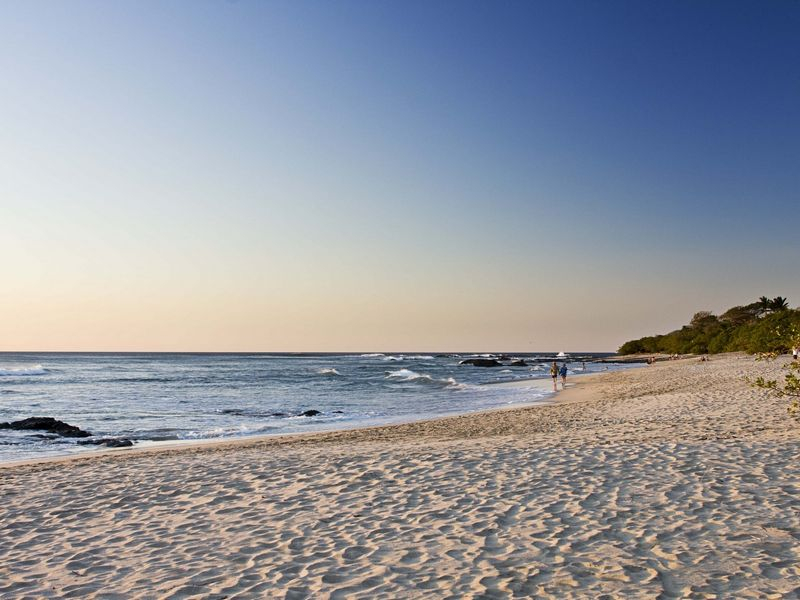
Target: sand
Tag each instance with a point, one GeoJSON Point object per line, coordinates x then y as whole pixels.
{"type": "Point", "coordinates": [669, 481]}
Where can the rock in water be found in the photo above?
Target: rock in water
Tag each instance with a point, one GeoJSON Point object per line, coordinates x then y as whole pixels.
{"type": "Point", "coordinates": [109, 442]}
{"type": "Point", "coordinates": [519, 363]}
{"type": "Point", "coordinates": [48, 424]}
{"type": "Point", "coordinates": [481, 362]}
{"type": "Point", "coordinates": [310, 413]}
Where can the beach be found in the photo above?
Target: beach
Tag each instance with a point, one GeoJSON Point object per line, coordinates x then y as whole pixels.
{"type": "Point", "coordinates": [673, 480]}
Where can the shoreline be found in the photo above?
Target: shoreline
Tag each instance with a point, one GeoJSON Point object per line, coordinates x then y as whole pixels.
{"type": "Point", "coordinates": [289, 438]}
{"type": "Point", "coordinates": [675, 480]}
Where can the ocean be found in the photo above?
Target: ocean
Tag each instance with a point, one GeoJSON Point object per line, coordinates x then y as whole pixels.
{"type": "Point", "coordinates": [157, 398]}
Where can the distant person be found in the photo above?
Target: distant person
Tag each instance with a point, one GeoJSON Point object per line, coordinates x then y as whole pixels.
{"type": "Point", "coordinates": [794, 353]}
{"type": "Point", "coordinates": [554, 375]}
{"type": "Point", "coordinates": [563, 373]}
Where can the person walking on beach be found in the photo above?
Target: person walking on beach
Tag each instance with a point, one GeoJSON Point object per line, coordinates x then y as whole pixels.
{"type": "Point", "coordinates": [563, 373]}
{"type": "Point", "coordinates": [554, 375]}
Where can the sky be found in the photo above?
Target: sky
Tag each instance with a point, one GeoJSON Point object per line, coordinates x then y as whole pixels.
{"type": "Point", "coordinates": [367, 176]}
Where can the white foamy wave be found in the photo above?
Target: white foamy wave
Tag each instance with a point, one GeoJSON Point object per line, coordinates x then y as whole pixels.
{"type": "Point", "coordinates": [329, 372]}
{"type": "Point", "coordinates": [402, 374]}
{"type": "Point", "coordinates": [419, 357]}
{"type": "Point", "coordinates": [221, 432]}
{"type": "Point", "coordinates": [373, 355]}
{"type": "Point", "coordinates": [409, 375]}
{"type": "Point", "coordinates": [392, 358]}
{"type": "Point", "coordinates": [506, 371]}
{"type": "Point", "coordinates": [34, 370]}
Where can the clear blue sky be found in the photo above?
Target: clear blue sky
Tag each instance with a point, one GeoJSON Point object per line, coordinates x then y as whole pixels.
{"type": "Point", "coordinates": [392, 175]}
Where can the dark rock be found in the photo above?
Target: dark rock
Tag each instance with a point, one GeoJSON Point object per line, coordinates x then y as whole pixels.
{"type": "Point", "coordinates": [123, 443]}
{"type": "Point", "coordinates": [310, 413]}
{"type": "Point", "coordinates": [518, 363]}
{"type": "Point", "coordinates": [278, 415]}
{"type": "Point", "coordinates": [481, 362]}
{"type": "Point", "coordinates": [48, 424]}
{"type": "Point", "coordinates": [338, 412]}
{"type": "Point", "coordinates": [109, 442]}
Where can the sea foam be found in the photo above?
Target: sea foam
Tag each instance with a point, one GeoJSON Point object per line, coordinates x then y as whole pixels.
{"type": "Point", "coordinates": [409, 375]}
{"type": "Point", "coordinates": [329, 372]}
{"type": "Point", "coordinates": [34, 370]}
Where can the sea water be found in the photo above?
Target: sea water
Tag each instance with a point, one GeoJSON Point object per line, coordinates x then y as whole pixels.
{"type": "Point", "coordinates": [152, 398]}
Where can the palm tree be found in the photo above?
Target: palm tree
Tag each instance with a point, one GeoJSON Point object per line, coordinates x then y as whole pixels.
{"type": "Point", "coordinates": [764, 305]}
{"type": "Point", "coordinates": [778, 303]}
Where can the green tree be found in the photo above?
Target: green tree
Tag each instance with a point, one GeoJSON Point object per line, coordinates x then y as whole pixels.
{"type": "Point", "coordinates": [763, 326]}
{"type": "Point", "coordinates": [738, 315]}
{"type": "Point", "coordinates": [778, 304]}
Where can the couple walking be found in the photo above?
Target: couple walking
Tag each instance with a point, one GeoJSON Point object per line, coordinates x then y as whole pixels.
{"type": "Point", "coordinates": [555, 372]}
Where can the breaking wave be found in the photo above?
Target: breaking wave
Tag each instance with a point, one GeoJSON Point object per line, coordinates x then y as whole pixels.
{"type": "Point", "coordinates": [35, 370]}
{"type": "Point", "coordinates": [219, 432]}
{"type": "Point", "coordinates": [409, 375]}
{"type": "Point", "coordinates": [329, 372]}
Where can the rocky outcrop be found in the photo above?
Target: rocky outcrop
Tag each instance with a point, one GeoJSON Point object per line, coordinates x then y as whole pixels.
{"type": "Point", "coordinates": [481, 362]}
{"type": "Point", "coordinates": [48, 424]}
{"type": "Point", "coordinates": [310, 413]}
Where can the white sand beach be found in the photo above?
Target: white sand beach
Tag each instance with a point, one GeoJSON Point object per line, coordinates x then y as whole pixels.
{"type": "Point", "coordinates": [670, 481]}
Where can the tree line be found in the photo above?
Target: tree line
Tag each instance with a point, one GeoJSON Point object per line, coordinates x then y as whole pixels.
{"type": "Point", "coordinates": [768, 325]}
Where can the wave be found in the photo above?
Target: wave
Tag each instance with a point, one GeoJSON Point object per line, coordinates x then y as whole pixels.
{"type": "Point", "coordinates": [23, 371]}
{"type": "Point", "coordinates": [373, 355]}
{"type": "Point", "coordinates": [392, 358]}
{"type": "Point", "coordinates": [247, 412]}
{"type": "Point", "coordinates": [329, 372]}
{"type": "Point", "coordinates": [409, 375]}
{"type": "Point", "coordinates": [143, 379]}
{"type": "Point", "coordinates": [222, 432]}
{"type": "Point", "coordinates": [419, 357]}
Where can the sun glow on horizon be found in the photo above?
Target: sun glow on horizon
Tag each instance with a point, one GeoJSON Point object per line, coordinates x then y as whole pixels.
{"type": "Point", "coordinates": [273, 177]}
